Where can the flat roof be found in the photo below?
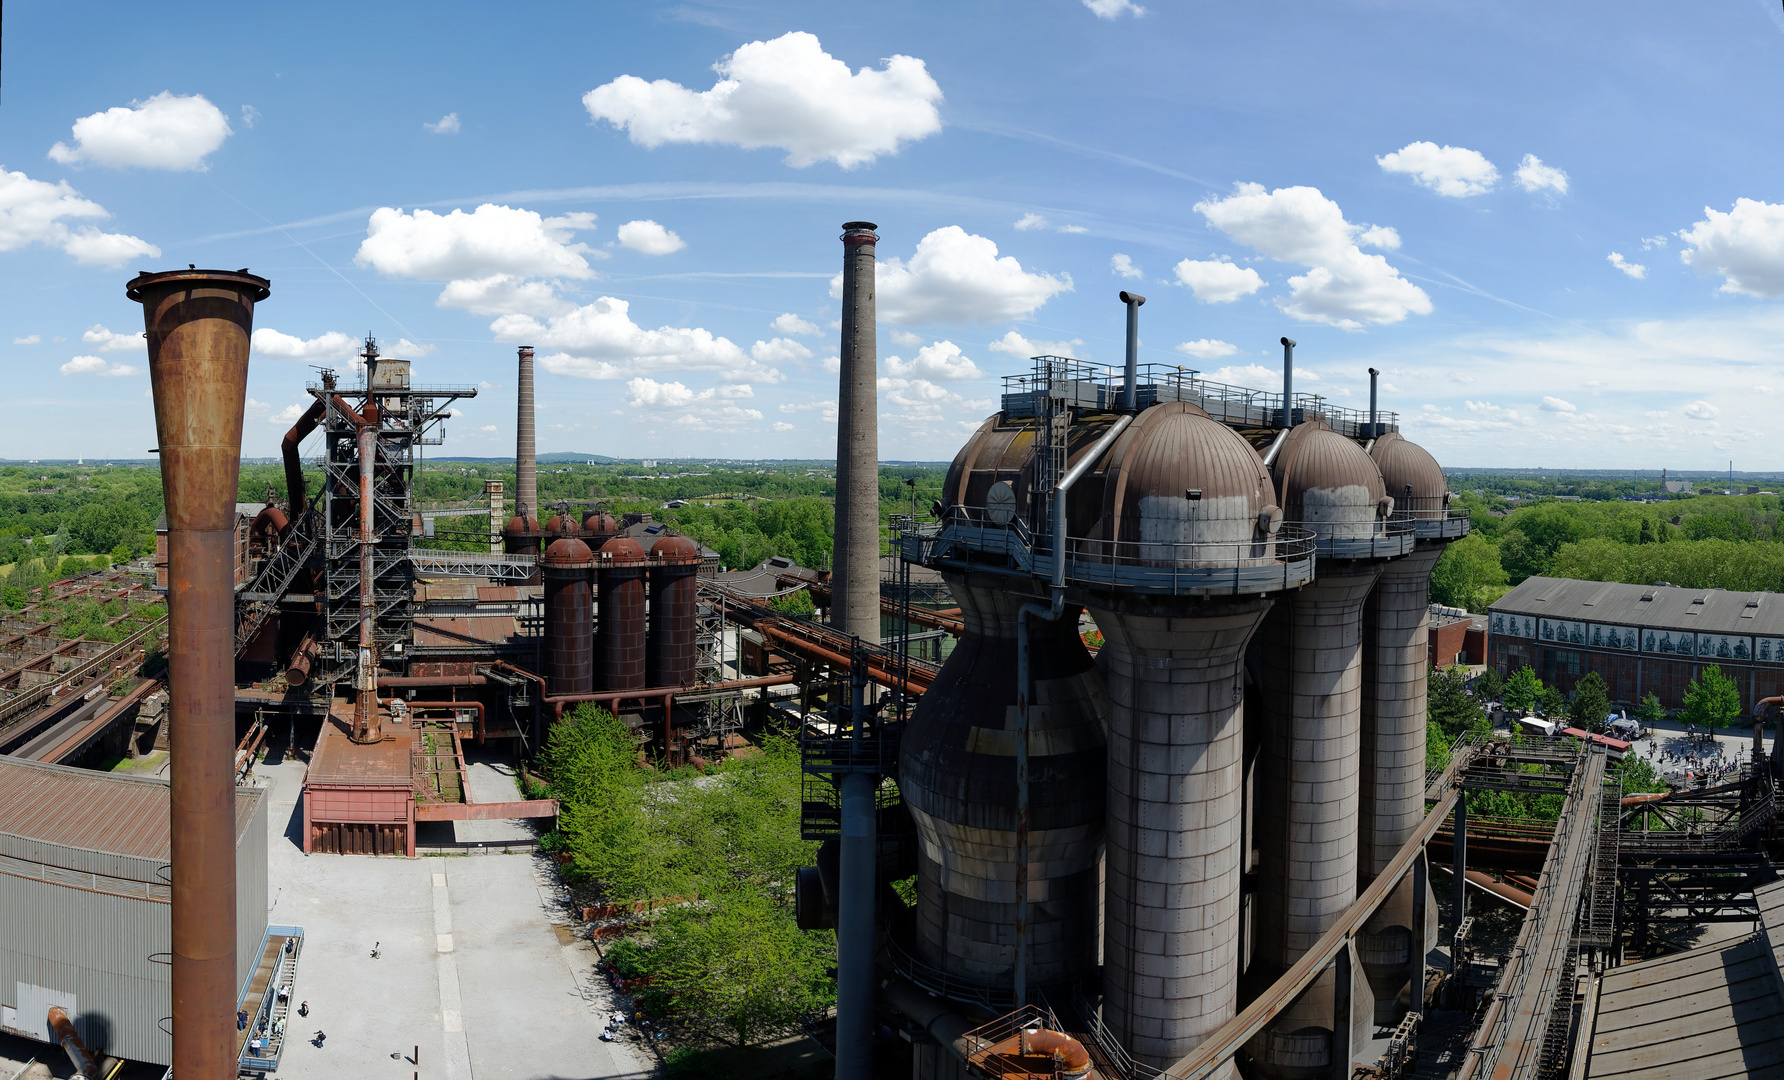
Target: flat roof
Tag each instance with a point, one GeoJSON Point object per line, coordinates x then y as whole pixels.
{"type": "Point", "coordinates": [340, 760]}
{"type": "Point", "coordinates": [1704, 611]}
{"type": "Point", "coordinates": [95, 811]}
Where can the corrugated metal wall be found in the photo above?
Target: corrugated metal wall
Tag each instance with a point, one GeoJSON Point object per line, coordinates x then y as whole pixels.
{"type": "Point", "coordinates": [99, 927]}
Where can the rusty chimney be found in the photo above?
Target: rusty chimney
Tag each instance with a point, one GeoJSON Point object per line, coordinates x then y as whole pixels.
{"type": "Point", "coordinates": [855, 585]}
{"type": "Point", "coordinates": [526, 462]}
{"type": "Point", "coordinates": [198, 323]}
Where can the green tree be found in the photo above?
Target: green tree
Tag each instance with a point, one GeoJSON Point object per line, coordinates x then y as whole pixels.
{"type": "Point", "coordinates": [1450, 706]}
{"type": "Point", "coordinates": [1490, 685]}
{"type": "Point", "coordinates": [1647, 533]}
{"type": "Point", "coordinates": [1591, 702]}
{"type": "Point", "coordinates": [1437, 747]}
{"type": "Point", "coordinates": [1712, 700]}
{"type": "Point", "coordinates": [794, 603]}
{"type": "Point", "coordinates": [1521, 557]}
{"type": "Point", "coordinates": [1553, 702]}
{"type": "Point", "coordinates": [1468, 566]}
{"type": "Point", "coordinates": [1522, 690]}
{"type": "Point", "coordinates": [1650, 709]}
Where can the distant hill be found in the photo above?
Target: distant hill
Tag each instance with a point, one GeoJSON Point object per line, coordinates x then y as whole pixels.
{"type": "Point", "coordinates": [563, 456]}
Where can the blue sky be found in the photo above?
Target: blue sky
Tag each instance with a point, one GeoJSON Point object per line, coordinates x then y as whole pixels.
{"type": "Point", "coordinates": [1557, 229]}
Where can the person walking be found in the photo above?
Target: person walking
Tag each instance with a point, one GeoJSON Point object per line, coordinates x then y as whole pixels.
{"type": "Point", "coordinates": [375, 945]}
{"type": "Point", "coordinates": [320, 1038]}
{"type": "Point", "coordinates": [241, 1020]}
{"type": "Point", "coordinates": [303, 1009]}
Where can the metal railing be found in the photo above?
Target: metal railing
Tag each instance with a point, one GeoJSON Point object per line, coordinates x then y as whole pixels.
{"type": "Point", "coordinates": [1387, 538]}
{"type": "Point", "coordinates": [1257, 565]}
{"type": "Point", "coordinates": [996, 999]}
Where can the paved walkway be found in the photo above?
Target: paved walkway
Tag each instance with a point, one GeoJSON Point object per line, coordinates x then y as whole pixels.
{"type": "Point", "coordinates": [471, 969]}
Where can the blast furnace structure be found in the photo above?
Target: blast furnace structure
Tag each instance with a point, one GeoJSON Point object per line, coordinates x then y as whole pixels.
{"type": "Point", "coordinates": [1197, 805]}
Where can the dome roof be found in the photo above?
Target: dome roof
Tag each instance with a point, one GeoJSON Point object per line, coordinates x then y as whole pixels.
{"type": "Point", "coordinates": [1325, 482]}
{"type": "Point", "coordinates": [561, 523]}
{"type": "Point", "coordinates": [996, 453]}
{"type": "Point", "coordinates": [567, 550]}
{"type": "Point", "coordinates": [518, 524]}
{"type": "Point", "coordinates": [674, 547]}
{"type": "Point", "coordinates": [597, 521]}
{"type": "Point", "coordinates": [1178, 476]}
{"type": "Point", "coordinates": [1412, 476]}
{"type": "Point", "coordinates": [623, 549]}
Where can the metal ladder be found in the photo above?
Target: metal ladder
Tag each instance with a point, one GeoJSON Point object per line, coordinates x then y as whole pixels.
{"type": "Point", "coordinates": [295, 549]}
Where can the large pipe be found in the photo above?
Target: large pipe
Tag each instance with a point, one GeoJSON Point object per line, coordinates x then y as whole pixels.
{"type": "Point", "coordinates": [855, 585]}
{"type": "Point", "coordinates": [1373, 429]}
{"type": "Point", "coordinates": [199, 323]}
{"type": "Point", "coordinates": [1288, 382]}
{"type": "Point", "coordinates": [1130, 387]}
{"type": "Point", "coordinates": [294, 469]}
{"type": "Point", "coordinates": [367, 728]}
{"type": "Point", "coordinates": [87, 1065]}
{"type": "Point", "coordinates": [858, 863]}
{"type": "Point", "coordinates": [526, 462]}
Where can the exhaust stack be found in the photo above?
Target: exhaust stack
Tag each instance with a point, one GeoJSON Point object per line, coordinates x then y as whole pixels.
{"type": "Point", "coordinates": [855, 587]}
{"type": "Point", "coordinates": [1130, 389]}
{"type": "Point", "coordinates": [199, 323]}
{"type": "Point", "coordinates": [1374, 430]}
{"type": "Point", "coordinates": [526, 461]}
{"type": "Point", "coordinates": [1288, 383]}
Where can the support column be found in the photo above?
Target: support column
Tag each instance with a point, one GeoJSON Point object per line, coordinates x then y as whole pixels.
{"type": "Point", "coordinates": [1175, 799]}
{"type": "Point", "coordinates": [526, 469]}
{"type": "Point", "coordinates": [854, 929]}
{"type": "Point", "coordinates": [855, 581]}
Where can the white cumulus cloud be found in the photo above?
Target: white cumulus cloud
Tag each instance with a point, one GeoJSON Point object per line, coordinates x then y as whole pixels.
{"type": "Point", "coordinates": [249, 115]}
{"type": "Point", "coordinates": [1343, 287]}
{"type": "Point", "coordinates": [95, 365]}
{"type": "Point", "coordinates": [1028, 222]}
{"type": "Point", "coordinates": [941, 360]}
{"type": "Point", "coordinates": [1207, 349]}
{"type": "Point", "coordinates": [649, 237]}
{"type": "Point", "coordinates": [1254, 375]}
{"type": "Point", "coordinates": [1701, 410]}
{"type": "Point", "coordinates": [1218, 282]}
{"type": "Point", "coordinates": [34, 212]}
{"type": "Point", "coordinates": [1634, 270]}
{"type": "Point", "coordinates": [496, 260]}
{"type": "Point", "coordinates": [104, 340]}
{"type": "Point", "coordinates": [1014, 344]}
{"type": "Point", "coordinates": [333, 345]}
{"type": "Point", "coordinates": [789, 323]}
{"type": "Point", "coordinates": [1113, 9]}
{"type": "Point", "coordinates": [445, 125]}
{"type": "Point", "coordinates": [1073, 229]}
{"type": "Point", "coordinates": [1533, 175]}
{"type": "Point", "coordinates": [778, 351]}
{"type": "Point", "coordinates": [782, 425]}
{"type": "Point", "coordinates": [1555, 404]}
{"type": "Point", "coordinates": [905, 338]}
{"type": "Point", "coordinates": [1123, 266]}
{"type": "Point", "coordinates": [1455, 171]}
{"type": "Point", "coordinates": [164, 132]}
{"type": "Point", "coordinates": [956, 276]}
{"type": "Point", "coordinates": [28, 339]}
{"type": "Point", "coordinates": [1745, 246]}
{"type": "Point", "coordinates": [600, 341]}
{"type": "Point", "coordinates": [786, 93]}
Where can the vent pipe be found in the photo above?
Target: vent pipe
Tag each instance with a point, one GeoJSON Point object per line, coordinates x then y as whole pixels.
{"type": "Point", "coordinates": [1130, 390]}
{"type": "Point", "coordinates": [526, 462]}
{"type": "Point", "coordinates": [1374, 431]}
{"type": "Point", "coordinates": [855, 588]}
{"type": "Point", "coordinates": [1288, 382]}
{"type": "Point", "coordinates": [198, 323]}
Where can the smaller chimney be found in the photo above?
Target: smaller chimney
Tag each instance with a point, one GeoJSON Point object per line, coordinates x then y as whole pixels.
{"type": "Point", "coordinates": [526, 467]}
{"type": "Point", "coordinates": [1130, 391]}
{"type": "Point", "coordinates": [1288, 382]}
{"type": "Point", "coordinates": [1374, 429]}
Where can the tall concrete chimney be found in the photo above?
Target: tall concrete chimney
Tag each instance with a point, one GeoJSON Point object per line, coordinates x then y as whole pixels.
{"type": "Point", "coordinates": [526, 462]}
{"type": "Point", "coordinates": [855, 588]}
{"type": "Point", "coordinates": [199, 323]}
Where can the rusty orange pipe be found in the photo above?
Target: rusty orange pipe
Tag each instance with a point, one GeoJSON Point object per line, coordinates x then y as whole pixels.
{"type": "Point", "coordinates": [919, 677]}
{"type": "Point", "coordinates": [198, 325]}
{"type": "Point", "coordinates": [478, 705]}
{"type": "Point", "coordinates": [294, 469]}
{"type": "Point", "coordinates": [667, 692]}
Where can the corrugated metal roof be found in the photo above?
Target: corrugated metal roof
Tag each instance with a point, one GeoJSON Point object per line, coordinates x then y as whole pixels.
{"type": "Point", "coordinates": [1704, 611]}
{"type": "Point", "coordinates": [93, 811]}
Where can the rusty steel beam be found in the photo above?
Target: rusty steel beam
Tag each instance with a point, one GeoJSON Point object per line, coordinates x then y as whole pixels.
{"type": "Point", "coordinates": [198, 324]}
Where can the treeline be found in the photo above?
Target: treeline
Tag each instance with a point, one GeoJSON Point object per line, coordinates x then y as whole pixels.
{"type": "Point", "coordinates": [77, 510]}
{"type": "Point", "coordinates": [1704, 542]}
{"type": "Point", "coordinates": [716, 856]}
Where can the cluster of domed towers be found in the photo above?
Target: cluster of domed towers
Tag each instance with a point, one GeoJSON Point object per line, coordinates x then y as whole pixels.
{"type": "Point", "coordinates": [1243, 754]}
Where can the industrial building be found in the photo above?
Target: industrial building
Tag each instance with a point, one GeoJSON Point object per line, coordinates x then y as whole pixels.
{"type": "Point", "coordinates": [1643, 639]}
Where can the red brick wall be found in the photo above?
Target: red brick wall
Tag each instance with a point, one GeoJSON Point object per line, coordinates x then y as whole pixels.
{"type": "Point", "coordinates": [1447, 641]}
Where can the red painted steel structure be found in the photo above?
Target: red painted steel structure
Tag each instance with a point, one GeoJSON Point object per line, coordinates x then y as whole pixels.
{"type": "Point", "coordinates": [198, 325]}
{"type": "Point", "coordinates": [619, 644]}
{"type": "Point", "coordinates": [674, 595]}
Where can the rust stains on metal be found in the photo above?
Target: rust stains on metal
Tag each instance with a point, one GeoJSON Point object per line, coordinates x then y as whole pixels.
{"type": "Point", "coordinates": [674, 592]}
{"type": "Point", "coordinates": [569, 617]}
{"type": "Point", "coordinates": [198, 326]}
{"type": "Point", "coordinates": [294, 469]}
{"type": "Point", "coordinates": [619, 645]}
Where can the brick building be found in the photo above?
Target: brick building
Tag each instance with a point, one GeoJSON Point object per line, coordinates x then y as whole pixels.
{"type": "Point", "coordinates": [1641, 638]}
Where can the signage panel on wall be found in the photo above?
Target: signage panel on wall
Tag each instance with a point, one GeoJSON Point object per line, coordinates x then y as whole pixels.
{"type": "Point", "coordinates": [1509, 625]}
{"type": "Point", "coordinates": [1768, 650]}
{"type": "Point", "coordinates": [1614, 637]}
{"type": "Point", "coordinates": [1724, 647]}
{"type": "Point", "coordinates": [1563, 632]}
{"type": "Point", "coordinates": [1669, 642]}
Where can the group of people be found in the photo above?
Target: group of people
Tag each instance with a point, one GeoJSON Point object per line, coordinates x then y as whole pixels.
{"type": "Point", "coordinates": [1702, 758]}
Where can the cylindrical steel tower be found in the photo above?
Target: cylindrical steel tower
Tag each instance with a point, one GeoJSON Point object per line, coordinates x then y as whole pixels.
{"type": "Point", "coordinates": [521, 537]}
{"type": "Point", "coordinates": [199, 323]}
{"type": "Point", "coordinates": [855, 580]}
{"type": "Point", "coordinates": [1396, 664]}
{"type": "Point", "coordinates": [600, 526]}
{"type": "Point", "coordinates": [619, 644]}
{"type": "Point", "coordinates": [569, 622]}
{"type": "Point", "coordinates": [674, 593]}
{"type": "Point", "coordinates": [1308, 657]}
{"type": "Point", "coordinates": [1180, 491]}
{"type": "Point", "coordinates": [526, 468]}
